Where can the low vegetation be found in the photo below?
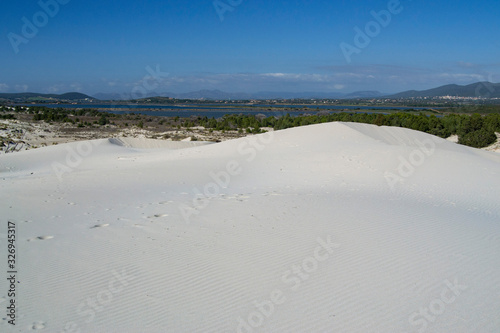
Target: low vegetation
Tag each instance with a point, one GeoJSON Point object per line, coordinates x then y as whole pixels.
{"type": "Point", "coordinates": [473, 130]}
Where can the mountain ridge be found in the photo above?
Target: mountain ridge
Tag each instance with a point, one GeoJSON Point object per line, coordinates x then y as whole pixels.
{"type": "Point", "coordinates": [479, 89]}
{"type": "Point", "coordinates": [474, 90]}
{"type": "Point", "coordinates": [29, 96]}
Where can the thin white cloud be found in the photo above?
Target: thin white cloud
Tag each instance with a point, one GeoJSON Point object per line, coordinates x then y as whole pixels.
{"type": "Point", "coordinates": [345, 78]}
{"type": "Point", "coordinates": [462, 77]}
{"type": "Point", "coordinates": [55, 89]}
{"type": "Point", "coordinates": [464, 64]}
{"type": "Point", "coordinates": [76, 86]}
{"type": "Point", "coordinates": [252, 82]}
{"type": "Point", "coordinates": [279, 75]}
{"type": "Point", "coordinates": [21, 87]}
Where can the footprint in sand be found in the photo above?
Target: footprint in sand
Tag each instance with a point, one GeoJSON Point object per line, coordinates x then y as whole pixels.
{"type": "Point", "coordinates": [38, 325]}
{"type": "Point", "coordinates": [238, 197]}
{"type": "Point", "coordinates": [40, 238]}
{"type": "Point", "coordinates": [100, 225]}
{"type": "Point", "coordinates": [271, 193]}
{"type": "Point", "coordinates": [241, 197]}
{"type": "Point", "coordinates": [157, 216]}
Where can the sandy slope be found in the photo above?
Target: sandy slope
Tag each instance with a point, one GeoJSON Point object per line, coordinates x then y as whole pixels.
{"type": "Point", "coordinates": [326, 228]}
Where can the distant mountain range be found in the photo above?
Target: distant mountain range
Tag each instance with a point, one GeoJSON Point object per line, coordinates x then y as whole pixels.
{"type": "Point", "coordinates": [479, 89]}
{"type": "Point", "coordinates": [222, 95]}
{"type": "Point", "coordinates": [36, 97]}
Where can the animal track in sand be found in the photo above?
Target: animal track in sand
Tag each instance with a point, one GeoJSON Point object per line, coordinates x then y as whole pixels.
{"type": "Point", "coordinates": [38, 325]}
{"type": "Point", "coordinates": [40, 238]}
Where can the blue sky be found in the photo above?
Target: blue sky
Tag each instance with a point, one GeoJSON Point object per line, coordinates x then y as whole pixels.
{"type": "Point", "coordinates": [154, 46]}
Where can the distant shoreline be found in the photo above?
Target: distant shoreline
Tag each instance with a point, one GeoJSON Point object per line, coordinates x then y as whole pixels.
{"type": "Point", "coordinates": [203, 106]}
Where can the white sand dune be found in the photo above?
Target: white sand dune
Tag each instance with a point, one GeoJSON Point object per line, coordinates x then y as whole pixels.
{"type": "Point", "coordinates": [326, 228]}
{"type": "Point", "coordinates": [144, 143]}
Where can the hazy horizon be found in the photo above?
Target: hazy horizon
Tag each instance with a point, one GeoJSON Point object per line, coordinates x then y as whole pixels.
{"type": "Point", "coordinates": [126, 47]}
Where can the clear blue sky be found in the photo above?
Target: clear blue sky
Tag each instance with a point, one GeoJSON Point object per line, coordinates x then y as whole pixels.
{"type": "Point", "coordinates": [260, 45]}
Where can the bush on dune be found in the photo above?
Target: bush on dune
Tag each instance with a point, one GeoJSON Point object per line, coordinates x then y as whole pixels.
{"type": "Point", "coordinates": [478, 139]}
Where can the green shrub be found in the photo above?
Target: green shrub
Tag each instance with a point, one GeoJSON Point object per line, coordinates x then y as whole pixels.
{"type": "Point", "coordinates": [478, 139]}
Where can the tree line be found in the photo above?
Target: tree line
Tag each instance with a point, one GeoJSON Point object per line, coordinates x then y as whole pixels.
{"type": "Point", "coordinates": [472, 130]}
